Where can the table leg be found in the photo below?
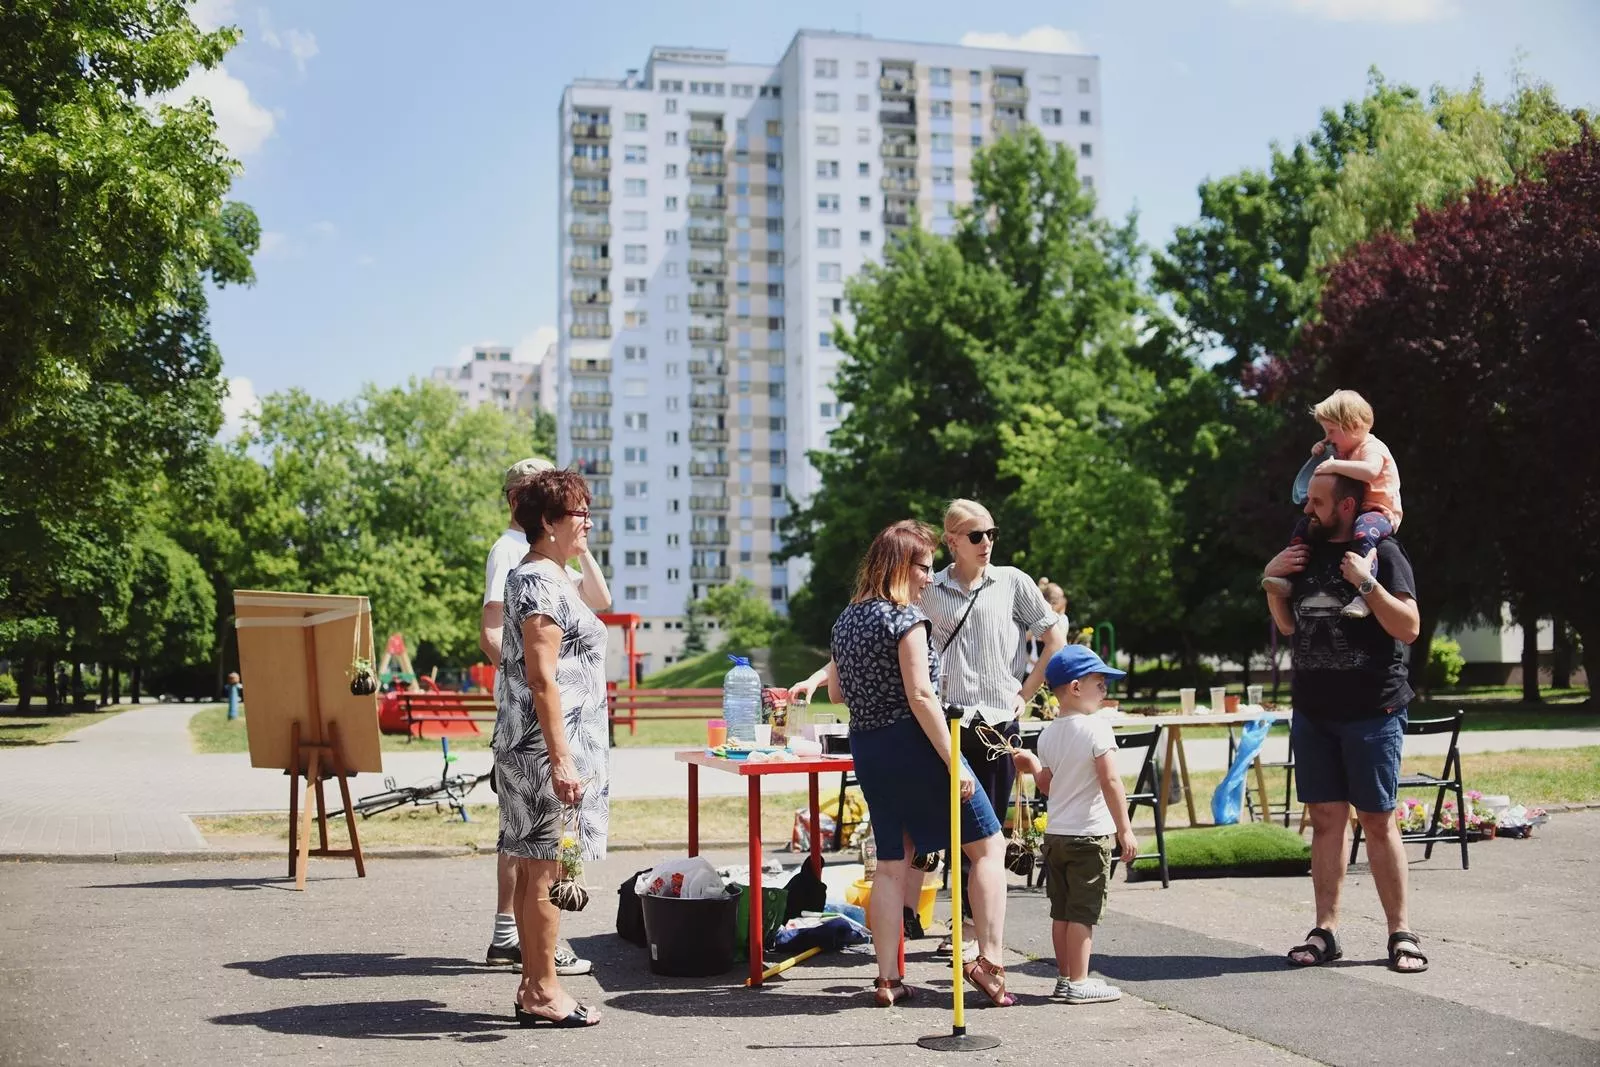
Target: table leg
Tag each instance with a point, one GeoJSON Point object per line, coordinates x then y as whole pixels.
{"type": "Point", "coordinates": [757, 924]}
{"type": "Point", "coordinates": [816, 828]}
{"type": "Point", "coordinates": [1165, 789]}
{"type": "Point", "coordinates": [1183, 769]}
{"type": "Point", "coordinates": [694, 809]}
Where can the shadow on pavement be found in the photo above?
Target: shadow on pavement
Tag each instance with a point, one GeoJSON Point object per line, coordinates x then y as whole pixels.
{"type": "Point", "coordinates": [401, 1020]}
{"type": "Point", "coordinates": [1172, 968]}
{"type": "Point", "coordinates": [357, 965]}
{"type": "Point", "coordinates": [212, 883]}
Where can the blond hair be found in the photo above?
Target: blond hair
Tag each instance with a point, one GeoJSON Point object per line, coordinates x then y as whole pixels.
{"type": "Point", "coordinates": [960, 511]}
{"type": "Point", "coordinates": [1346, 409]}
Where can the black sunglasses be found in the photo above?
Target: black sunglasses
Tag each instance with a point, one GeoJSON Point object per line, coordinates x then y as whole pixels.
{"type": "Point", "coordinates": [976, 536]}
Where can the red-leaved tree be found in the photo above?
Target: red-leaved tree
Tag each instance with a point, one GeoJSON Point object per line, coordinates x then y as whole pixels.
{"type": "Point", "coordinates": [1478, 343]}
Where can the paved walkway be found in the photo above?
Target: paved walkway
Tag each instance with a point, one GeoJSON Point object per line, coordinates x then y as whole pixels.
{"type": "Point", "coordinates": [128, 784]}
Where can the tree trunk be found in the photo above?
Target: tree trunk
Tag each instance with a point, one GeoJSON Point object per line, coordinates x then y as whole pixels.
{"type": "Point", "coordinates": [1589, 634]}
{"type": "Point", "coordinates": [25, 685]}
{"type": "Point", "coordinates": [105, 684]}
{"type": "Point", "coordinates": [116, 683]}
{"type": "Point", "coordinates": [1528, 617]}
{"type": "Point", "coordinates": [133, 683]}
{"type": "Point", "coordinates": [1561, 656]}
{"type": "Point", "coordinates": [77, 684]}
{"type": "Point", "coordinates": [52, 696]}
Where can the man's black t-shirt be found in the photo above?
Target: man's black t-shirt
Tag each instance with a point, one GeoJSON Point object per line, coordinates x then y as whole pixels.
{"type": "Point", "coordinates": [1344, 668]}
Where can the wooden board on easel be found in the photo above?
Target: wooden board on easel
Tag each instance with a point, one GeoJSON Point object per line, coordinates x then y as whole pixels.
{"type": "Point", "coordinates": [294, 652]}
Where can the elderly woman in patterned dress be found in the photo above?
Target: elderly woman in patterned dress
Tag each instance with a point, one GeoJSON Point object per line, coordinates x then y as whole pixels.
{"type": "Point", "coordinates": [550, 740]}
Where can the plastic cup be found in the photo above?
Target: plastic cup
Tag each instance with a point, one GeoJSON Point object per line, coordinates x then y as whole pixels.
{"type": "Point", "coordinates": [763, 733]}
{"type": "Point", "coordinates": [1219, 697]}
{"type": "Point", "coordinates": [1186, 699]}
{"type": "Point", "coordinates": [716, 733]}
{"type": "Point", "coordinates": [1231, 703]}
{"type": "Point", "coordinates": [1253, 694]}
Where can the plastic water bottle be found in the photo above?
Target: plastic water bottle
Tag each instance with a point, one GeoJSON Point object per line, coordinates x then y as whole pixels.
{"type": "Point", "coordinates": [741, 700]}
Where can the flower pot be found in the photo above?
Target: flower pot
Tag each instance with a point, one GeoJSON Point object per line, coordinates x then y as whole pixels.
{"type": "Point", "coordinates": [1019, 858]}
{"type": "Point", "coordinates": [363, 683]}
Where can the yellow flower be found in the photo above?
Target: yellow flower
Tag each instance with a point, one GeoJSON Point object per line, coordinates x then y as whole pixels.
{"type": "Point", "coordinates": [567, 841]}
{"type": "Point", "coordinates": [1040, 822]}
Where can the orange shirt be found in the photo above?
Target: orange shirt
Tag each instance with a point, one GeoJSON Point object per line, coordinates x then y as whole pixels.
{"type": "Point", "coordinates": [1383, 492]}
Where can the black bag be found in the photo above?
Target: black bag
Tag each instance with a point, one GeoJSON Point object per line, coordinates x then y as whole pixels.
{"type": "Point", "coordinates": [806, 892]}
{"type": "Point", "coordinates": [630, 913]}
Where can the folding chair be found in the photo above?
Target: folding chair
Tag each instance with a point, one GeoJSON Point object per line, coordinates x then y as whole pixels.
{"type": "Point", "coordinates": [1146, 789]}
{"type": "Point", "coordinates": [1446, 781]}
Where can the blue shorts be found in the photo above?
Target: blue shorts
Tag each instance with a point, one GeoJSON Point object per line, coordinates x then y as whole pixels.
{"type": "Point", "coordinates": [1356, 762]}
{"type": "Point", "coordinates": [907, 789]}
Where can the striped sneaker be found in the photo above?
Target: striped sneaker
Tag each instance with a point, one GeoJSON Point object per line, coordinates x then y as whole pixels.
{"type": "Point", "coordinates": [1088, 991]}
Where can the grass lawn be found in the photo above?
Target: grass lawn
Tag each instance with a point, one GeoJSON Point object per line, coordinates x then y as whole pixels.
{"type": "Point", "coordinates": [721, 819]}
{"type": "Point", "coordinates": [1245, 844]}
{"type": "Point", "coordinates": [23, 729]}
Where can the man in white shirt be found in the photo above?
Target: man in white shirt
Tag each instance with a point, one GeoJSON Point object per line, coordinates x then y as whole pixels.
{"type": "Point", "coordinates": [504, 557]}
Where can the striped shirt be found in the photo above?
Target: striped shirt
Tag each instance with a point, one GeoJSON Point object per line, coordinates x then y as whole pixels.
{"type": "Point", "coordinates": [987, 662]}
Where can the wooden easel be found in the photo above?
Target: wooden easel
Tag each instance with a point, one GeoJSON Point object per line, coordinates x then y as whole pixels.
{"type": "Point", "coordinates": [317, 759]}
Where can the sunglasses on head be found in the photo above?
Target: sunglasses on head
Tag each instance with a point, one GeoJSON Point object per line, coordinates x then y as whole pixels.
{"type": "Point", "coordinates": [976, 536]}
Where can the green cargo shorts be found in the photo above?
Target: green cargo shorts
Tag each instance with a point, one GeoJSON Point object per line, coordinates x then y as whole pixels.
{"type": "Point", "coordinates": [1077, 877]}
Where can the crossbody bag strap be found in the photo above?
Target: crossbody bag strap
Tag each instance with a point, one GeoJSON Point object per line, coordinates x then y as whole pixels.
{"type": "Point", "coordinates": [963, 620]}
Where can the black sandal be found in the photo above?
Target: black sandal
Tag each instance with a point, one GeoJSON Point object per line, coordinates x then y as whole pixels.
{"type": "Point", "coordinates": [1398, 951]}
{"type": "Point", "coordinates": [579, 1017]}
{"type": "Point", "coordinates": [1318, 953]}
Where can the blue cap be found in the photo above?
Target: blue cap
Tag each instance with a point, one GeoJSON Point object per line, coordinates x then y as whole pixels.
{"type": "Point", "coordinates": [1075, 661]}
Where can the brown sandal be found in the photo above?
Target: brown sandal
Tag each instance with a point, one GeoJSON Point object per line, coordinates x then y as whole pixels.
{"type": "Point", "coordinates": [887, 992]}
{"type": "Point", "coordinates": [1000, 999]}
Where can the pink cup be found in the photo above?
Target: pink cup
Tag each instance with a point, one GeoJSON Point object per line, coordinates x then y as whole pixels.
{"type": "Point", "coordinates": [716, 733]}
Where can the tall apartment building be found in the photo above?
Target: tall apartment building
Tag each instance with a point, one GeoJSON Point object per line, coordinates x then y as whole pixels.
{"type": "Point", "coordinates": [711, 212]}
{"type": "Point", "coordinates": [492, 376]}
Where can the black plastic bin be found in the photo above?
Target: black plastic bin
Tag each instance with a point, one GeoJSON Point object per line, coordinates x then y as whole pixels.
{"type": "Point", "coordinates": [691, 938]}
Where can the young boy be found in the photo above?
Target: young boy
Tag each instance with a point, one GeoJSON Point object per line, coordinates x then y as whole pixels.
{"type": "Point", "coordinates": [1077, 767]}
{"type": "Point", "coordinates": [1346, 420]}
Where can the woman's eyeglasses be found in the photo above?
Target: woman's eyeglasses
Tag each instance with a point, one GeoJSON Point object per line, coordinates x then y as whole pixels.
{"type": "Point", "coordinates": [976, 536]}
{"type": "Point", "coordinates": [585, 515]}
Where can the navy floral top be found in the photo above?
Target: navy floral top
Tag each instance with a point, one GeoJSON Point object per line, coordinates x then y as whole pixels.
{"type": "Point", "coordinates": [866, 653]}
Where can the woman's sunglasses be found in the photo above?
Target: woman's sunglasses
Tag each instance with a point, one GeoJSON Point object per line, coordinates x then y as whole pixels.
{"type": "Point", "coordinates": [976, 536]}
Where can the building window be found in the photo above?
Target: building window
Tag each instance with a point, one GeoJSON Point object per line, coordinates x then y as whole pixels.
{"type": "Point", "coordinates": [674, 575]}
{"type": "Point", "coordinates": [827, 102]}
{"type": "Point", "coordinates": [635, 454]}
{"type": "Point", "coordinates": [672, 138]}
{"type": "Point", "coordinates": [672, 170]}
{"type": "Point", "coordinates": [863, 170]}
{"type": "Point", "coordinates": [636, 593]}
{"type": "Point", "coordinates": [635, 254]}
{"type": "Point", "coordinates": [866, 237]}
{"type": "Point", "coordinates": [863, 102]}
{"type": "Point", "coordinates": [975, 77]}
{"type": "Point", "coordinates": [1085, 151]}
{"type": "Point", "coordinates": [633, 285]}
{"type": "Point", "coordinates": [633, 354]}
{"type": "Point", "coordinates": [825, 410]}
{"type": "Point", "coordinates": [1088, 181]}
{"type": "Point", "coordinates": [1083, 85]}
{"type": "Point", "coordinates": [774, 128]}
{"type": "Point", "coordinates": [827, 168]}
{"type": "Point", "coordinates": [977, 140]}
{"type": "Point", "coordinates": [635, 320]}
{"type": "Point", "coordinates": [827, 238]}
{"type": "Point", "coordinates": [633, 153]}
{"type": "Point", "coordinates": [636, 558]}
{"type": "Point", "coordinates": [633, 120]}
{"type": "Point", "coordinates": [672, 303]}
{"type": "Point", "coordinates": [863, 135]}
{"type": "Point", "coordinates": [941, 109]}
{"type": "Point", "coordinates": [826, 68]}
{"type": "Point", "coordinates": [672, 541]}
{"type": "Point", "coordinates": [1050, 84]}
{"type": "Point", "coordinates": [829, 272]}
{"type": "Point", "coordinates": [828, 306]}
{"type": "Point", "coordinates": [636, 490]}
{"type": "Point", "coordinates": [827, 135]}
{"type": "Point", "coordinates": [672, 203]}
{"type": "Point", "coordinates": [672, 270]}
{"type": "Point", "coordinates": [865, 203]}
{"type": "Point", "coordinates": [942, 142]}
{"type": "Point", "coordinates": [944, 175]}
{"type": "Point", "coordinates": [672, 335]}
{"type": "Point", "coordinates": [636, 524]}
{"type": "Point", "coordinates": [636, 420]}
{"type": "Point", "coordinates": [1050, 116]}
{"type": "Point", "coordinates": [672, 107]}
{"type": "Point", "coordinates": [671, 237]}
{"type": "Point", "coordinates": [635, 220]}
{"type": "Point", "coordinates": [828, 202]}
{"type": "Point", "coordinates": [1084, 119]}
{"type": "Point", "coordinates": [825, 339]}
{"type": "Point", "coordinates": [939, 76]}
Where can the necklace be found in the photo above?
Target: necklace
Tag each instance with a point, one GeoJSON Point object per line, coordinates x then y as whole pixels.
{"type": "Point", "coordinates": [542, 555]}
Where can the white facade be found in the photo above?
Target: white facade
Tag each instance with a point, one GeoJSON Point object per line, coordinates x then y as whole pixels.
{"type": "Point", "coordinates": [491, 376]}
{"type": "Point", "coordinates": [711, 212]}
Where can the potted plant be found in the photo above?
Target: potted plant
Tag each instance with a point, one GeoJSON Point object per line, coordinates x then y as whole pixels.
{"type": "Point", "coordinates": [1022, 851]}
{"type": "Point", "coordinates": [363, 679]}
{"type": "Point", "coordinates": [567, 892]}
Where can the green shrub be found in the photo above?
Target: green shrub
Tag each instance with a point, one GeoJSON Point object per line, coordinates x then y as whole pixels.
{"type": "Point", "coordinates": [8, 688]}
{"type": "Point", "coordinates": [1444, 663]}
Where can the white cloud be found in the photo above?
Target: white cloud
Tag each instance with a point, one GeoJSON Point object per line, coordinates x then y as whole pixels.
{"type": "Point", "coordinates": [211, 14]}
{"type": "Point", "coordinates": [324, 228]}
{"type": "Point", "coordinates": [272, 243]}
{"type": "Point", "coordinates": [1038, 39]}
{"type": "Point", "coordinates": [242, 124]}
{"type": "Point", "coordinates": [532, 346]}
{"type": "Point", "coordinates": [300, 44]}
{"type": "Point", "coordinates": [240, 408]}
{"type": "Point", "coordinates": [1413, 11]}
{"type": "Point", "coordinates": [366, 260]}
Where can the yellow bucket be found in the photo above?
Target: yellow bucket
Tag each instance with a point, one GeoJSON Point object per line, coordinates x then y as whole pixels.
{"type": "Point", "coordinates": [861, 892]}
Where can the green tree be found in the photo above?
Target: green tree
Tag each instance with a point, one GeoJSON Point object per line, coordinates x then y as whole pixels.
{"type": "Point", "coordinates": [746, 618]}
{"type": "Point", "coordinates": [694, 629]}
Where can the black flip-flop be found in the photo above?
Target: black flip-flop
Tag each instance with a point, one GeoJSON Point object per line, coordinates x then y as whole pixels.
{"type": "Point", "coordinates": [578, 1017]}
{"type": "Point", "coordinates": [1398, 951]}
{"type": "Point", "coordinates": [1319, 955]}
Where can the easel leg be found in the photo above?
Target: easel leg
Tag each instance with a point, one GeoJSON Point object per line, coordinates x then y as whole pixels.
{"type": "Point", "coordinates": [312, 770]}
{"type": "Point", "coordinates": [322, 816]}
{"type": "Point", "coordinates": [1261, 789]}
{"type": "Point", "coordinates": [1166, 775]}
{"type": "Point", "coordinates": [344, 793]}
{"type": "Point", "coordinates": [294, 794]}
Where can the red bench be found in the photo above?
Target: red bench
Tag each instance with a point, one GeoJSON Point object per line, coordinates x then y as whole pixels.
{"type": "Point", "coordinates": [433, 715]}
{"type": "Point", "coordinates": [629, 706]}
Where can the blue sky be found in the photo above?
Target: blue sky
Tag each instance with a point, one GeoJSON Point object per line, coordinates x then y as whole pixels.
{"type": "Point", "coordinates": [402, 155]}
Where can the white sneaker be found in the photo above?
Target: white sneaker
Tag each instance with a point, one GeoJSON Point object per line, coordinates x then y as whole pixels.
{"type": "Point", "coordinates": [1088, 991]}
{"type": "Point", "coordinates": [569, 963]}
{"type": "Point", "coordinates": [1277, 586]}
{"type": "Point", "coordinates": [1356, 609]}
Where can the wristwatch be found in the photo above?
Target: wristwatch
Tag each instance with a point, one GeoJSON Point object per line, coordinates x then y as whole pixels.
{"type": "Point", "coordinates": [1366, 587]}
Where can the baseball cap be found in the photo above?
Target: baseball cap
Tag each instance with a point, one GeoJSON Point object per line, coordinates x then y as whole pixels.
{"type": "Point", "coordinates": [524, 469]}
{"type": "Point", "coordinates": [1075, 661]}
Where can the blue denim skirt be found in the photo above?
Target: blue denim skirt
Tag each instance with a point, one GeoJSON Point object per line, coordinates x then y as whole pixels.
{"type": "Point", "coordinates": [907, 789]}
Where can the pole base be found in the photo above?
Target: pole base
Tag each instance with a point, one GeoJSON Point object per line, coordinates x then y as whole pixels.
{"type": "Point", "coordinates": [959, 1043]}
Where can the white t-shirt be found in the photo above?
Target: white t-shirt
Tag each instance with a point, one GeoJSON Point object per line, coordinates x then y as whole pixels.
{"type": "Point", "coordinates": [504, 557]}
{"type": "Point", "coordinates": [1068, 748]}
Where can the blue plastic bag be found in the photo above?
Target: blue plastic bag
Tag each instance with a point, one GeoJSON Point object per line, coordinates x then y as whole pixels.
{"type": "Point", "coordinates": [1227, 801]}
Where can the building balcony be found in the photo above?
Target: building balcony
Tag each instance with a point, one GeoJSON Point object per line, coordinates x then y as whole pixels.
{"type": "Point", "coordinates": [708, 268]}
{"type": "Point", "coordinates": [708, 235]}
{"type": "Point", "coordinates": [897, 85]}
{"type": "Point", "coordinates": [897, 118]}
{"type": "Point", "coordinates": [899, 185]}
{"type": "Point", "coordinates": [708, 537]}
{"type": "Point", "coordinates": [591, 297]}
{"type": "Point", "coordinates": [708, 435]}
{"type": "Point", "coordinates": [591, 196]}
{"type": "Point", "coordinates": [702, 135]}
{"type": "Point", "coordinates": [1004, 124]}
{"type": "Point", "coordinates": [608, 570]}
{"type": "Point", "coordinates": [708, 333]}
{"type": "Point", "coordinates": [591, 366]}
{"type": "Point", "coordinates": [708, 300]}
{"type": "Point", "coordinates": [591, 400]}
{"type": "Point", "coordinates": [708, 170]}
{"type": "Point", "coordinates": [897, 218]}
{"type": "Point", "coordinates": [701, 368]}
{"type": "Point", "coordinates": [591, 433]}
{"type": "Point", "coordinates": [709, 401]}
{"type": "Point", "coordinates": [701, 574]}
{"type": "Point", "coordinates": [1010, 94]}
{"type": "Point", "coordinates": [601, 537]}
{"type": "Point", "coordinates": [586, 165]}
{"type": "Point", "coordinates": [708, 503]}
{"type": "Point", "coordinates": [708, 470]}
{"type": "Point", "coordinates": [593, 466]}
{"type": "Point", "coordinates": [591, 131]}
{"type": "Point", "coordinates": [707, 202]}
{"type": "Point", "coordinates": [599, 231]}
{"type": "Point", "coordinates": [600, 503]}
{"type": "Point", "coordinates": [591, 330]}
{"type": "Point", "coordinates": [590, 264]}
{"type": "Point", "coordinates": [898, 150]}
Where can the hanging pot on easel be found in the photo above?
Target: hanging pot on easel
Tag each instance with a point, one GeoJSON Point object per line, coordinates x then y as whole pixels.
{"type": "Point", "coordinates": [363, 682]}
{"type": "Point", "coordinates": [1019, 858]}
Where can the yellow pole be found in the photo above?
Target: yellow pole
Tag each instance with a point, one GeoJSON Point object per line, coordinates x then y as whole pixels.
{"type": "Point", "coordinates": [955, 876]}
{"type": "Point", "coordinates": [779, 968]}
